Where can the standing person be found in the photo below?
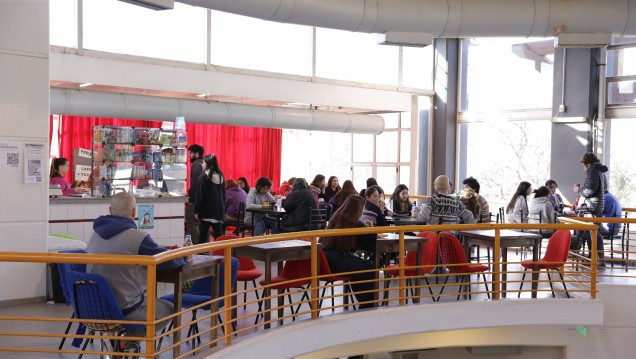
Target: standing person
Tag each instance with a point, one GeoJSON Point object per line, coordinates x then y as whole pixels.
{"type": "Point", "coordinates": [554, 197]}
{"type": "Point", "coordinates": [593, 190]}
{"type": "Point", "coordinates": [347, 190]}
{"type": "Point", "coordinates": [234, 196]}
{"type": "Point", "coordinates": [259, 197]}
{"type": "Point", "coordinates": [243, 184]}
{"type": "Point", "coordinates": [209, 205]}
{"type": "Point", "coordinates": [59, 168]}
{"type": "Point", "coordinates": [443, 208]}
{"type": "Point", "coordinates": [196, 168]}
{"type": "Point", "coordinates": [318, 186]}
{"type": "Point", "coordinates": [541, 209]}
{"type": "Point", "coordinates": [332, 188]}
{"type": "Point", "coordinates": [117, 234]}
{"type": "Point", "coordinates": [517, 208]}
{"type": "Point", "coordinates": [338, 250]}
{"type": "Point", "coordinates": [400, 201]}
{"type": "Point", "coordinates": [484, 213]}
{"type": "Point", "coordinates": [298, 207]}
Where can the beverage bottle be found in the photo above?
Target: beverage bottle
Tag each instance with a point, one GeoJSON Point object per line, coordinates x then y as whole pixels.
{"type": "Point", "coordinates": [187, 241]}
{"type": "Point", "coordinates": [415, 211]}
{"type": "Point", "coordinates": [279, 202]}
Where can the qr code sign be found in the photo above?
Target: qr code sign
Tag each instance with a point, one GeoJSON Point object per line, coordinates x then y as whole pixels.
{"type": "Point", "coordinates": [13, 159]}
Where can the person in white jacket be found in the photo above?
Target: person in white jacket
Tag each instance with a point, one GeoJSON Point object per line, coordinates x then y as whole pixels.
{"type": "Point", "coordinates": [541, 208]}
{"type": "Point", "coordinates": [517, 208]}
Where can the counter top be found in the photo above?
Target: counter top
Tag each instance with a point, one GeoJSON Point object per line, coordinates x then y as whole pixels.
{"type": "Point", "coordinates": [99, 200]}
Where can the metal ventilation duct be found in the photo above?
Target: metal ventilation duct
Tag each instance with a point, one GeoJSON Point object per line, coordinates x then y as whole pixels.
{"type": "Point", "coordinates": [105, 104]}
{"type": "Point", "coordinates": [444, 18]}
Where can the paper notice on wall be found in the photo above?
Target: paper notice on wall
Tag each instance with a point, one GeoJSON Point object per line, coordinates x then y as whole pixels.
{"type": "Point", "coordinates": [34, 168]}
{"type": "Point", "coordinates": [146, 216]}
{"type": "Point", "coordinates": [9, 157]}
{"type": "Point", "coordinates": [82, 172]}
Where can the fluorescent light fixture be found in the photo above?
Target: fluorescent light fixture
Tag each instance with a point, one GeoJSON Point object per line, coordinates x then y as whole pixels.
{"type": "Point", "coordinates": [557, 119]}
{"type": "Point", "coordinates": [152, 4]}
{"type": "Point", "coordinates": [85, 85]}
{"type": "Point", "coordinates": [412, 39]}
{"type": "Point", "coordinates": [203, 95]}
{"type": "Point", "coordinates": [566, 39]}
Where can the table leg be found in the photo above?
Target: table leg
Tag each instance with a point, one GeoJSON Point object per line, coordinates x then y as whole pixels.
{"type": "Point", "coordinates": [418, 274]}
{"type": "Point", "coordinates": [535, 267]}
{"type": "Point", "coordinates": [281, 298]}
{"type": "Point", "coordinates": [176, 336]}
{"type": "Point", "coordinates": [504, 271]}
{"type": "Point", "coordinates": [214, 308]}
{"type": "Point", "coordinates": [267, 292]}
{"type": "Point", "coordinates": [378, 265]}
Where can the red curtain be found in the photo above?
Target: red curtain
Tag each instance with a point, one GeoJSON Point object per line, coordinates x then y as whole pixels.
{"type": "Point", "coordinates": [248, 152]}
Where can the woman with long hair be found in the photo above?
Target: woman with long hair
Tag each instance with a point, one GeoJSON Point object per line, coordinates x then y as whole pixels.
{"type": "Point", "coordinates": [332, 188]}
{"type": "Point", "coordinates": [541, 209]}
{"type": "Point", "coordinates": [318, 186]}
{"type": "Point", "coordinates": [400, 201]}
{"type": "Point", "coordinates": [243, 184]}
{"type": "Point", "coordinates": [209, 203]}
{"type": "Point", "coordinates": [339, 249]}
{"type": "Point", "coordinates": [59, 168]}
{"type": "Point", "coordinates": [347, 190]}
{"type": "Point", "coordinates": [517, 208]}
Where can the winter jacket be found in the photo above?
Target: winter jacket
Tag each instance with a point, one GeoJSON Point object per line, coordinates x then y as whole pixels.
{"type": "Point", "coordinates": [233, 198]}
{"type": "Point", "coordinates": [298, 206]}
{"type": "Point", "coordinates": [195, 172]}
{"type": "Point", "coordinates": [210, 199]}
{"type": "Point", "coordinates": [594, 188]}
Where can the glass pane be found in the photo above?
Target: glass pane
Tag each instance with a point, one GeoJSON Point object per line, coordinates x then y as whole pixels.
{"type": "Point", "coordinates": [405, 120]}
{"type": "Point", "coordinates": [119, 27]}
{"type": "Point", "coordinates": [345, 55]}
{"type": "Point", "coordinates": [621, 92]}
{"type": "Point", "coordinates": [417, 67]}
{"type": "Point", "coordinates": [405, 146]}
{"type": "Point", "coordinates": [360, 175]}
{"type": "Point", "coordinates": [506, 74]}
{"type": "Point", "coordinates": [240, 41]}
{"type": "Point", "coordinates": [386, 147]}
{"type": "Point", "coordinates": [515, 162]}
{"type": "Point", "coordinates": [362, 148]}
{"type": "Point", "coordinates": [391, 120]}
{"type": "Point", "coordinates": [405, 177]}
{"type": "Point", "coordinates": [387, 179]}
{"type": "Point", "coordinates": [622, 165]}
{"type": "Point", "coordinates": [63, 22]}
{"type": "Point", "coordinates": [623, 40]}
{"type": "Point", "coordinates": [621, 62]}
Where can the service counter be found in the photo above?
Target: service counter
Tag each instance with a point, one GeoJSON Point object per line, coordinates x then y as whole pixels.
{"type": "Point", "coordinates": [74, 216]}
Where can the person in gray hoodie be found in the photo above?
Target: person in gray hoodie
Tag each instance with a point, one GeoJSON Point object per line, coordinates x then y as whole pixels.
{"type": "Point", "coordinates": [541, 209]}
{"type": "Point", "coordinates": [117, 233]}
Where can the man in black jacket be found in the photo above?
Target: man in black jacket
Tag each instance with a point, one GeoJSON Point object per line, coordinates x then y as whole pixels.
{"type": "Point", "coordinates": [196, 161]}
{"type": "Point", "coordinates": [593, 191]}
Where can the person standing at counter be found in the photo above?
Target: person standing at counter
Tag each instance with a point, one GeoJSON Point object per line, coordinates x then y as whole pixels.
{"type": "Point", "coordinates": [196, 163]}
{"type": "Point", "coordinates": [209, 204]}
{"type": "Point", "coordinates": [59, 168]}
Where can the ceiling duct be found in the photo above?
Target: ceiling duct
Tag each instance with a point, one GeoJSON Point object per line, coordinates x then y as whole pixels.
{"type": "Point", "coordinates": [445, 18]}
{"type": "Point", "coordinates": [105, 104]}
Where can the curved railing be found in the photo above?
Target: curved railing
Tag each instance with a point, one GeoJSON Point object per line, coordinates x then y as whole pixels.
{"type": "Point", "coordinates": [581, 278]}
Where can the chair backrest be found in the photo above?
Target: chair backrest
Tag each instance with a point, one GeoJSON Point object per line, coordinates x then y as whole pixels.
{"type": "Point", "coordinates": [297, 269]}
{"type": "Point", "coordinates": [219, 252]}
{"type": "Point", "coordinates": [317, 218]}
{"type": "Point", "coordinates": [203, 286]}
{"type": "Point", "coordinates": [93, 298]}
{"type": "Point", "coordinates": [558, 247]}
{"type": "Point", "coordinates": [502, 215]}
{"type": "Point", "coordinates": [429, 250]}
{"type": "Point", "coordinates": [63, 268]}
{"type": "Point", "coordinates": [241, 212]}
{"type": "Point", "coordinates": [452, 252]}
{"type": "Point", "coordinates": [329, 210]}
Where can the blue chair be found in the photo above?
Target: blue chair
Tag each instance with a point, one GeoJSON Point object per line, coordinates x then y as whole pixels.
{"type": "Point", "coordinates": [201, 292]}
{"type": "Point", "coordinates": [93, 298]}
{"type": "Point", "coordinates": [62, 269]}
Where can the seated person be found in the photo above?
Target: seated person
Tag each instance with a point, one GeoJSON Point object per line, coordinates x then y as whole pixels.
{"type": "Point", "coordinates": [555, 198]}
{"type": "Point", "coordinates": [346, 190]}
{"type": "Point", "coordinates": [443, 208]}
{"type": "Point", "coordinates": [298, 208]}
{"type": "Point", "coordinates": [484, 212]}
{"type": "Point", "coordinates": [541, 209]}
{"type": "Point", "coordinates": [611, 208]}
{"type": "Point", "coordinates": [338, 250]}
{"type": "Point", "coordinates": [234, 196]}
{"type": "Point", "coordinates": [259, 197]}
{"type": "Point", "coordinates": [400, 202]}
{"type": "Point", "coordinates": [286, 187]}
{"type": "Point", "coordinates": [468, 197]}
{"type": "Point", "coordinates": [374, 213]}
{"type": "Point", "coordinates": [59, 168]}
{"type": "Point", "coordinates": [332, 188]}
{"type": "Point", "coordinates": [117, 234]}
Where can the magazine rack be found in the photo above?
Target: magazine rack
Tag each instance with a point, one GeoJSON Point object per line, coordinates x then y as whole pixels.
{"type": "Point", "coordinates": [142, 161]}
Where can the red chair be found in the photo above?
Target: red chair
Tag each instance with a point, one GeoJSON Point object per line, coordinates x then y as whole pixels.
{"type": "Point", "coordinates": [247, 269]}
{"type": "Point", "coordinates": [330, 279]}
{"type": "Point", "coordinates": [428, 261]}
{"type": "Point", "coordinates": [556, 254]}
{"type": "Point", "coordinates": [295, 274]}
{"type": "Point", "coordinates": [454, 258]}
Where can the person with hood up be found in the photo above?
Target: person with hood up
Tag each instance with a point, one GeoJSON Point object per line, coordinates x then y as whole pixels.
{"type": "Point", "coordinates": [593, 190]}
{"type": "Point", "coordinates": [117, 233]}
{"type": "Point", "coordinates": [209, 205]}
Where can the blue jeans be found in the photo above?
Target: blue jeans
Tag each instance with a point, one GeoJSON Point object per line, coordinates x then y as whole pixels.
{"type": "Point", "coordinates": [261, 223]}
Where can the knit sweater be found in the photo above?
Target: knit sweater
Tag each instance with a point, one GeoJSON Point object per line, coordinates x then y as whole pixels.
{"type": "Point", "coordinates": [445, 209]}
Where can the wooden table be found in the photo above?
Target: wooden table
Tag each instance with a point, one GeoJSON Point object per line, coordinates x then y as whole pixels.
{"type": "Point", "coordinates": [199, 266]}
{"type": "Point", "coordinates": [274, 252]}
{"type": "Point", "coordinates": [508, 238]}
{"type": "Point", "coordinates": [404, 221]}
{"type": "Point", "coordinates": [391, 244]}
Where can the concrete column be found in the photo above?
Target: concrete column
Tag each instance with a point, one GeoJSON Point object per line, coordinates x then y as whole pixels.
{"type": "Point", "coordinates": [24, 115]}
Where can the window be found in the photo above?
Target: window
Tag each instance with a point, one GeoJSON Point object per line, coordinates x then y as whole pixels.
{"type": "Point", "coordinates": [622, 166]}
{"type": "Point", "coordinates": [63, 22]}
{"type": "Point", "coordinates": [417, 67]}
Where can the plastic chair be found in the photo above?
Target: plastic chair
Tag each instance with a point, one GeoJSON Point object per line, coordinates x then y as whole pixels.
{"type": "Point", "coordinates": [328, 208]}
{"type": "Point", "coordinates": [453, 256]}
{"type": "Point", "coordinates": [295, 274]}
{"type": "Point", "coordinates": [247, 270]}
{"type": "Point", "coordinates": [201, 292]}
{"type": "Point", "coordinates": [428, 261]}
{"type": "Point", "coordinates": [318, 218]}
{"type": "Point", "coordinates": [62, 269]}
{"type": "Point", "coordinates": [240, 224]}
{"type": "Point", "coordinates": [93, 298]}
{"type": "Point", "coordinates": [556, 254]}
